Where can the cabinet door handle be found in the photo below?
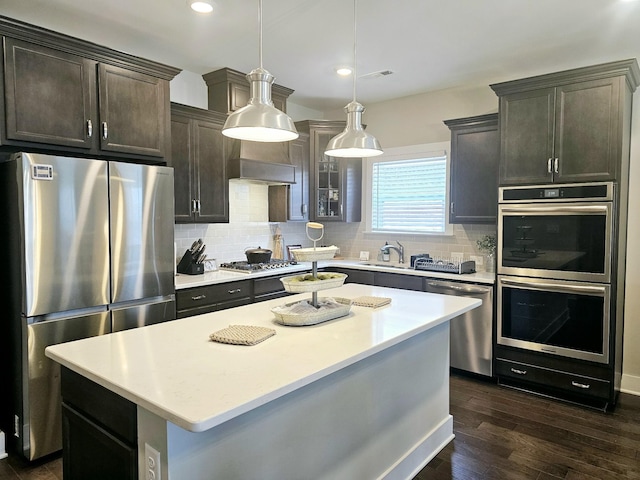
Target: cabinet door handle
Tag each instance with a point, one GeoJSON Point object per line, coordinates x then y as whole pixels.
{"type": "Point", "coordinates": [105, 131]}
{"type": "Point", "coordinates": [518, 372]}
{"type": "Point", "coordinates": [555, 165]}
{"type": "Point", "coordinates": [198, 297]}
{"type": "Point", "coordinates": [237, 290]}
{"type": "Point", "coordinates": [549, 165]}
{"type": "Point", "coordinates": [451, 208]}
{"type": "Point", "coordinates": [303, 209]}
{"type": "Point", "coordinates": [89, 128]}
{"type": "Point", "coordinates": [198, 206]}
{"type": "Point", "coordinates": [193, 205]}
{"type": "Point", "coordinates": [580, 385]}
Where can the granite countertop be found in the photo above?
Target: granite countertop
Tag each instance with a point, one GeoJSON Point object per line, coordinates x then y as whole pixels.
{"type": "Point", "coordinates": [173, 370]}
{"type": "Point", "coordinates": [222, 276]}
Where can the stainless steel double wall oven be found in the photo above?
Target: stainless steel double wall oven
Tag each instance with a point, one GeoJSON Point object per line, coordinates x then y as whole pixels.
{"type": "Point", "coordinates": [555, 296]}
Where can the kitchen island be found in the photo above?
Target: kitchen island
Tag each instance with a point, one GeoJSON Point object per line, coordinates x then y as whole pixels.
{"type": "Point", "coordinates": [362, 396]}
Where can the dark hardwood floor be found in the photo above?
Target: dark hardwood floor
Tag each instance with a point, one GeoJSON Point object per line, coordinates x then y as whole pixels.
{"type": "Point", "coordinates": [500, 434]}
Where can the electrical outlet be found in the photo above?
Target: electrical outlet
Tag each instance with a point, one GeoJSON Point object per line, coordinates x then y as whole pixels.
{"type": "Point", "coordinates": [477, 259]}
{"type": "Point", "coordinates": [153, 462]}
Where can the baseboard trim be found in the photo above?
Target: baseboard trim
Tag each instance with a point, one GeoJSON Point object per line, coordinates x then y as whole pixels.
{"type": "Point", "coordinates": [630, 384]}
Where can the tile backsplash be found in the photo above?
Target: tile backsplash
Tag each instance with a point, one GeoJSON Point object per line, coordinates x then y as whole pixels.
{"type": "Point", "coordinates": [249, 227]}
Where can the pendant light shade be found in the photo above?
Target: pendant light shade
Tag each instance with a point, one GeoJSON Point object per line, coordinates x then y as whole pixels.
{"type": "Point", "coordinates": [354, 142]}
{"type": "Point", "coordinates": [259, 120]}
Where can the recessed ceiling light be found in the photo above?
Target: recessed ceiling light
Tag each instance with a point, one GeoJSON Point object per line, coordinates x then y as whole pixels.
{"type": "Point", "coordinates": [201, 6]}
{"type": "Point", "coordinates": [344, 71]}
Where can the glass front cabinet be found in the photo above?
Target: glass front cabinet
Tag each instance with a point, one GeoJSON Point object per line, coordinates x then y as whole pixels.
{"type": "Point", "coordinates": [336, 183]}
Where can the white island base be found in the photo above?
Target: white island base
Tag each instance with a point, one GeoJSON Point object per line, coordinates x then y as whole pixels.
{"type": "Point", "coordinates": [361, 397]}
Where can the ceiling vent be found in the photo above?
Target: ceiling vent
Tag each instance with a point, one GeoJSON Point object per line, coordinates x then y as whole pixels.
{"type": "Point", "coordinates": [381, 73]}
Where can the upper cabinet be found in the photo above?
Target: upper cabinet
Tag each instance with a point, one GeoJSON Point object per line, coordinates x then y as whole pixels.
{"type": "Point", "coordinates": [290, 203]}
{"type": "Point", "coordinates": [228, 90]}
{"type": "Point", "coordinates": [198, 156]}
{"type": "Point", "coordinates": [571, 126]}
{"type": "Point", "coordinates": [335, 183]}
{"type": "Point", "coordinates": [61, 93]}
{"type": "Point", "coordinates": [475, 143]}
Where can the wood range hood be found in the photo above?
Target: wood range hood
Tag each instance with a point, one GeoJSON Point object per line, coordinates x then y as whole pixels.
{"type": "Point", "coordinates": [261, 162]}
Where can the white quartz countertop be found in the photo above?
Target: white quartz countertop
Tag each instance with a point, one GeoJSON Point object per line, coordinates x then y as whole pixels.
{"type": "Point", "coordinates": [173, 370]}
{"type": "Point", "coordinates": [222, 276]}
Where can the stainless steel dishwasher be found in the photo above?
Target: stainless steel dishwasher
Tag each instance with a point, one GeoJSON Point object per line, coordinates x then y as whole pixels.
{"type": "Point", "coordinates": [471, 332]}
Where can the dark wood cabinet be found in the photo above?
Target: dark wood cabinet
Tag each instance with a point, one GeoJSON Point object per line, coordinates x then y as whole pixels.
{"type": "Point", "coordinates": [335, 184]}
{"type": "Point", "coordinates": [582, 382]}
{"type": "Point", "coordinates": [198, 156]}
{"type": "Point", "coordinates": [364, 277]}
{"type": "Point", "coordinates": [228, 90]}
{"type": "Point", "coordinates": [33, 114]}
{"type": "Point", "coordinates": [62, 94]}
{"type": "Point", "coordinates": [268, 288]}
{"type": "Point", "coordinates": [134, 112]}
{"type": "Point", "coordinates": [475, 144]}
{"type": "Point", "coordinates": [100, 433]}
{"type": "Point", "coordinates": [291, 202]}
{"type": "Point", "coordinates": [211, 298]}
{"type": "Point", "coordinates": [572, 126]}
{"type": "Point", "coordinates": [395, 280]}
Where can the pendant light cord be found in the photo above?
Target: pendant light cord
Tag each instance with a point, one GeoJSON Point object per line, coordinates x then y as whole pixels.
{"type": "Point", "coordinates": [260, 23]}
{"type": "Point", "coordinates": [355, 36]}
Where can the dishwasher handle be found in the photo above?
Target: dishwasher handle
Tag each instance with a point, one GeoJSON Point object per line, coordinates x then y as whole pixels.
{"type": "Point", "coordinates": [463, 290]}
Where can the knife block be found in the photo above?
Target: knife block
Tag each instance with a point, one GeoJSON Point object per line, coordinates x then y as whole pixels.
{"type": "Point", "coordinates": [188, 265]}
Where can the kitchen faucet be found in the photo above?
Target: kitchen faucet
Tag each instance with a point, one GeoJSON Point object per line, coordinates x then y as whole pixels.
{"type": "Point", "coordinates": [400, 249]}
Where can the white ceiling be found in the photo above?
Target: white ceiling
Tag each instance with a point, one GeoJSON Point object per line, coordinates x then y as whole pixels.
{"type": "Point", "coordinates": [428, 44]}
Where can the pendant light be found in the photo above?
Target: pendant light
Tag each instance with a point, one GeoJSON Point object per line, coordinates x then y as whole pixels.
{"type": "Point", "coordinates": [259, 120]}
{"type": "Point", "coordinates": [354, 142]}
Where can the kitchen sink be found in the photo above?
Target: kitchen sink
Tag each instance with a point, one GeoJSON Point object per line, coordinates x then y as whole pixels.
{"type": "Point", "coordinates": [401, 266]}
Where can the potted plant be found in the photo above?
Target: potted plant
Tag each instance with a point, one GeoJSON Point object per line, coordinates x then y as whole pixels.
{"type": "Point", "coordinates": [487, 244]}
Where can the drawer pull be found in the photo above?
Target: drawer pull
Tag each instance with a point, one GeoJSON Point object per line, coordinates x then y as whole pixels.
{"type": "Point", "coordinates": [519, 372]}
{"type": "Point", "coordinates": [237, 290]}
{"type": "Point", "coordinates": [198, 297]}
{"type": "Point", "coordinates": [580, 385]}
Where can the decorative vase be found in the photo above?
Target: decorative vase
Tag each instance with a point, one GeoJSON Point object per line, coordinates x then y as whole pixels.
{"type": "Point", "coordinates": [491, 263]}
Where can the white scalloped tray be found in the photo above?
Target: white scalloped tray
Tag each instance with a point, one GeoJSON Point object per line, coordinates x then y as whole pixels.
{"type": "Point", "coordinates": [320, 315]}
{"type": "Point", "coordinates": [290, 285]}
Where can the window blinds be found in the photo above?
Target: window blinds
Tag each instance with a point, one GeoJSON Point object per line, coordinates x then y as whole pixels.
{"type": "Point", "coordinates": [409, 195]}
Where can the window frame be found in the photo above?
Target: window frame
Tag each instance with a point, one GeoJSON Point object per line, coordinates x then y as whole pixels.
{"type": "Point", "coordinates": [410, 152]}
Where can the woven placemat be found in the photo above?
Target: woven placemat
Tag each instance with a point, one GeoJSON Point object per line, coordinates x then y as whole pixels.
{"type": "Point", "coordinates": [242, 334]}
{"type": "Point", "coordinates": [373, 302]}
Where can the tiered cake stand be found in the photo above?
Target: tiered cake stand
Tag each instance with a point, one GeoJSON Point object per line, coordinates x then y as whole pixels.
{"type": "Point", "coordinates": [314, 311]}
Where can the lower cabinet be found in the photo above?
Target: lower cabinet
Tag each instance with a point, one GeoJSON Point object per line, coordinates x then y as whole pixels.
{"type": "Point", "coordinates": [363, 277]}
{"type": "Point", "coordinates": [211, 298]}
{"type": "Point", "coordinates": [99, 430]}
{"type": "Point", "coordinates": [395, 280]}
{"type": "Point", "coordinates": [577, 381]}
{"type": "Point", "coordinates": [267, 289]}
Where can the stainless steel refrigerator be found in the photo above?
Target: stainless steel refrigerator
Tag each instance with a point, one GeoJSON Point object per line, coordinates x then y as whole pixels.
{"type": "Point", "coordinates": [87, 247]}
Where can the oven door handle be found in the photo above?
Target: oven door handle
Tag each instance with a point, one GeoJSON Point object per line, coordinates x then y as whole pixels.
{"type": "Point", "coordinates": [584, 289]}
{"type": "Point", "coordinates": [530, 209]}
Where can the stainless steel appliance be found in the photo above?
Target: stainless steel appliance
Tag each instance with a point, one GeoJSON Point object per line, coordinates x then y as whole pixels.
{"type": "Point", "coordinates": [246, 267]}
{"type": "Point", "coordinates": [559, 301]}
{"type": "Point", "coordinates": [554, 269]}
{"type": "Point", "coordinates": [472, 332]}
{"type": "Point", "coordinates": [88, 249]}
{"type": "Point", "coordinates": [554, 316]}
{"type": "Point", "coordinates": [563, 232]}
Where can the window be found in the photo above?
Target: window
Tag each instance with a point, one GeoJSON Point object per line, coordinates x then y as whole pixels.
{"type": "Point", "coordinates": [407, 190]}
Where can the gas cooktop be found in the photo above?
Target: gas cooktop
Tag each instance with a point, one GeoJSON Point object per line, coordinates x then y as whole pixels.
{"type": "Point", "coordinates": [246, 267]}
